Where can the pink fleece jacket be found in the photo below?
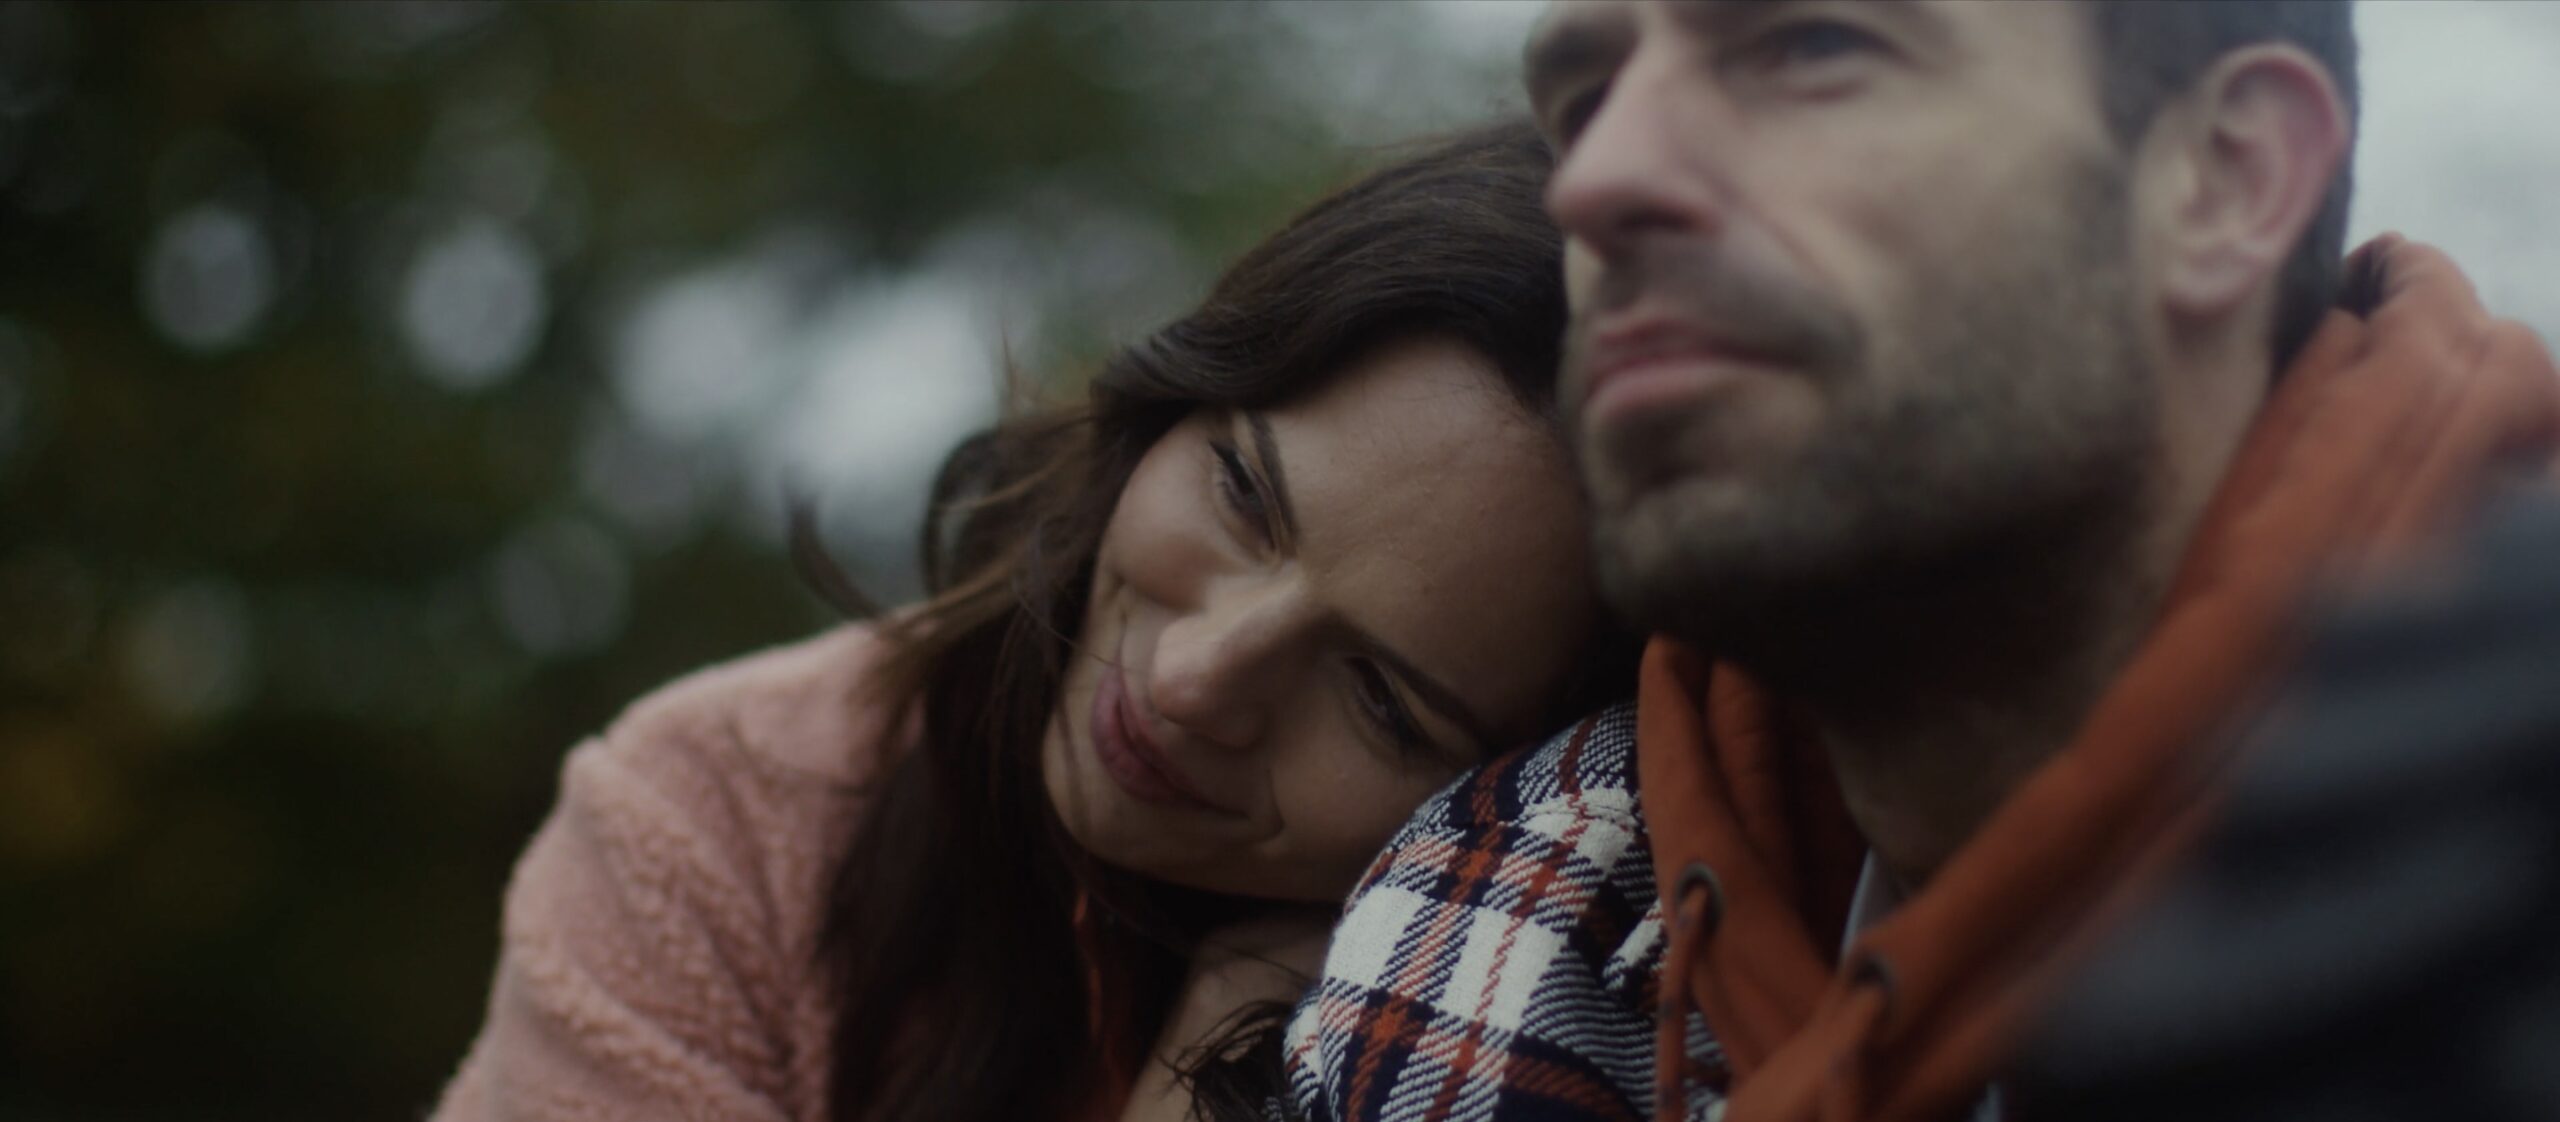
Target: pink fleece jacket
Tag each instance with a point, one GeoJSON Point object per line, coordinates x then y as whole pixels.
{"type": "Point", "coordinates": [660, 933]}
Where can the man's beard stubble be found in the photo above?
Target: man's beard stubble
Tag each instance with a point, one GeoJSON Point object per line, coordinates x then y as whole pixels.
{"type": "Point", "coordinates": [1997, 440]}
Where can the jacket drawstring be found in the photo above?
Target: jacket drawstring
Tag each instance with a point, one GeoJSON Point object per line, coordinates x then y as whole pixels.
{"type": "Point", "coordinates": [1849, 1094]}
{"type": "Point", "coordinates": [1693, 917]}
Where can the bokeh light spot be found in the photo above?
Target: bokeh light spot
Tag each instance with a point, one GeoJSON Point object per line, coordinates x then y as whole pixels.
{"type": "Point", "coordinates": [473, 305]}
{"type": "Point", "coordinates": [896, 374]}
{"type": "Point", "coordinates": [699, 352]}
{"type": "Point", "coordinates": [651, 488]}
{"type": "Point", "coordinates": [188, 653]}
{"type": "Point", "coordinates": [208, 277]}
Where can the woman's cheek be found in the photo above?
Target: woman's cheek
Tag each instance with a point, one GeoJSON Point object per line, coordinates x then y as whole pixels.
{"type": "Point", "coordinates": [1162, 538]}
{"type": "Point", "coordinates": [1354, 807]}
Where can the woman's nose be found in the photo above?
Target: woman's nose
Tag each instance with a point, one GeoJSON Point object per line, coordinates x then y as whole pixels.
{"type": "Point", "coordinates": [1219, 668]}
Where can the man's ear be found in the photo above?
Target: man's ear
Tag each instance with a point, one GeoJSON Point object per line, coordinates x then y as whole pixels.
{"type": "Point", "coordinates": [2260, 136]}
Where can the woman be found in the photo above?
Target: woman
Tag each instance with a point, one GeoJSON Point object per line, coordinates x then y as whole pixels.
{"type": "Point", "coordinates": [1192, 651]}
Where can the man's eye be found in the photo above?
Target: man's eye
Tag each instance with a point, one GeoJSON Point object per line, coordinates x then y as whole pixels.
{"type": "Point", "coordinates": [1240, 490]}
{"type": "Point", "coordinates": [1809, 43]}
{"type": "Point", "coordinates": [1575, 114]}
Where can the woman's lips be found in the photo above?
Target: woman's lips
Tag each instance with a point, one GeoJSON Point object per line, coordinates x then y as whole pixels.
{"type": "Point", "coordinates": [1130, 758]}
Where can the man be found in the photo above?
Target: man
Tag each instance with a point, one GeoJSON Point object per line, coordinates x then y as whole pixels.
{"type": "Point", "coordinates": [1970, 395]}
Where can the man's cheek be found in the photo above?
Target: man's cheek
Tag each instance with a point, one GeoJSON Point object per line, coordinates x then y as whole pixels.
{"type": "Point", "coordinates": [1581, 273]}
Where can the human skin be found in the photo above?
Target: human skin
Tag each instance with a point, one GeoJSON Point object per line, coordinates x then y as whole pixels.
{"type": "Point", "coordinates": [1301, 637]}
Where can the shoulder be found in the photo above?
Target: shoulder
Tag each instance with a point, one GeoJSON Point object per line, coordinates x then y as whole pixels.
{"type": "Point", "coordinates": [660, 930]}
{"type": "Point", "coordinates": [1545, 835]}
{"type": "Point", "coordinates": [734, 785]}
{"type": "Point", "coordinates": [1497, 960]}
{"type": "Point", "coordinates": [748, 766]}
{"type": "Point", "coordinates": [804, 708]}
{"type": "Point", "coordinates": [1586, 771]}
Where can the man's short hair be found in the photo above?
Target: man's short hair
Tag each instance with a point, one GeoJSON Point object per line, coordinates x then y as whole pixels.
{"type": "Point", "coordinates": [2149, 51]}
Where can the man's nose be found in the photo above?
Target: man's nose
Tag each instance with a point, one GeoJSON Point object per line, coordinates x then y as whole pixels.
{"type": "Point", "coordinates": [1219, 668]}
{"type": "Point", "coordinates": [1641, 164]}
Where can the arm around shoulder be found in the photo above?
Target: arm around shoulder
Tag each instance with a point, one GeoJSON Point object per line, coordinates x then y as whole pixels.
{"type": "Point", "coordinates": [1496, 962]}
{"type": "Point", "coordinates": [658, 956]}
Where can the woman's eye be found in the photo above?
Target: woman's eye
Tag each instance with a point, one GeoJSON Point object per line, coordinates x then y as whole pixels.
{"type": "Point", "coordinates": [1241, 490]}
{"type": "Point", "coordinates": [1378, 700]}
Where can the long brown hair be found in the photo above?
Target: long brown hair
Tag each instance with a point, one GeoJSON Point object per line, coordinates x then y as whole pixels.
{"type": "Point", "coordinates": [987, 968]}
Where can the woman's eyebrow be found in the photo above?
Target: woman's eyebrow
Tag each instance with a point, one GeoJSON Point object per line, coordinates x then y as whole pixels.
{"type": "Point", "coordinates": [1432, 691]}
{"type": "Point", "coordinates": [1269, 451]}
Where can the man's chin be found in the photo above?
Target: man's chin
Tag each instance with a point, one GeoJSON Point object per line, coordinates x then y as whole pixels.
{"type": "Point", "coordinates": [1673, 499]}
{"type": "Point", "coordinates": [1655, 546]}
{"type": "Point", "coordinates": [1675, 558]}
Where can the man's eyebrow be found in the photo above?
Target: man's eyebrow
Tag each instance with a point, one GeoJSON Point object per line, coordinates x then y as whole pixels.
{"type": "Point", "coordinates": [1572, 44]}
{"type": "Point", "coordinates": [1269, 451]}
{"type": "Point", "coordinates": [1721, 20]}
{"type": "Point", "coordinates": [1435, 694]}
{"type": "Point", "coordinates": [1718, 18]}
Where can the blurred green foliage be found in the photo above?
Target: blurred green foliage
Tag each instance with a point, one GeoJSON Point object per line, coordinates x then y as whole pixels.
{"type": "Point", "coordinates": [337, 494]}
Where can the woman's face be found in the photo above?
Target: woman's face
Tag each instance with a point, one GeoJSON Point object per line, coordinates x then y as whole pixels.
{"type": "Point", "coordinates": [1305, 620]}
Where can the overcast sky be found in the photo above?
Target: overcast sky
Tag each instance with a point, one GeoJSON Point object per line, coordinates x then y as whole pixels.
{"type": "Point", "coordinates": [2461, 141]}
